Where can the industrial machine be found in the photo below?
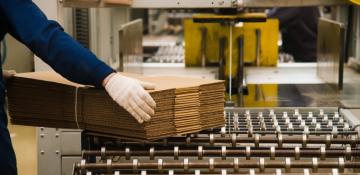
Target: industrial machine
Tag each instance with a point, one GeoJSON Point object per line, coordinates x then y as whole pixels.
{"type": "Point", "coordinates": [229, 42]}
{"type": "Point", "coordinates": [320, 139]}
{"type": "Point", "coordinates": [254, 141]}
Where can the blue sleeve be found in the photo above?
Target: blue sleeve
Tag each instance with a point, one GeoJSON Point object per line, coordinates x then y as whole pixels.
{"type": "Point", "coordinates": [46, 38]}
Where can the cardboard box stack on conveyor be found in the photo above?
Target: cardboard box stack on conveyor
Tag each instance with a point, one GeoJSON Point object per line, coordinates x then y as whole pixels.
{"type": "Point", "coordinates": [199, 103]}
{"type": "Point", "coordinates": [184, 105]}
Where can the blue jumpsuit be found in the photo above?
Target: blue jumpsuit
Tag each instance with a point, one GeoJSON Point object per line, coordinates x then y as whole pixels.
{"type": "Point", "coordinates": [24, 20]}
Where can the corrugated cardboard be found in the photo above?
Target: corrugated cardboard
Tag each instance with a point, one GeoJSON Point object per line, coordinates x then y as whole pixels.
{"type": "Point", "coordinates": [184, 106]}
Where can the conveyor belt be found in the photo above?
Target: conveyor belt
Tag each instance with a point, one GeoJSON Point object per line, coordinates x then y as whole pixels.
{"type": "Point", "coordinates": [252, 142]}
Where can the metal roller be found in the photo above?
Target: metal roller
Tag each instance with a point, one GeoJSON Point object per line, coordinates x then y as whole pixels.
{"type": "Point", "coordinates": [212, 164]}
{"type": "Point", "coordinates": [261, 141]}
{"type": "Point", "coordinates": [224, 152]}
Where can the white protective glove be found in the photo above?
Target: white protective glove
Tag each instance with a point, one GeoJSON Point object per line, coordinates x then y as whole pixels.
{"type": "Point", "coordinates": [130, 94]}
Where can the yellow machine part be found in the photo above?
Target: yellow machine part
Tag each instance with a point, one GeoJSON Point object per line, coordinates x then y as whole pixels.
{"type": "Point", "coordinates": [215, 31]}
{"type": "Point", "coordinates": [357, 2]}
{"type": "Point", "coordinates": [192, 38]}
{"type": "Point", "coordinates": [265, 95]}
{"type": "Point", "coordinates": [269, 50]}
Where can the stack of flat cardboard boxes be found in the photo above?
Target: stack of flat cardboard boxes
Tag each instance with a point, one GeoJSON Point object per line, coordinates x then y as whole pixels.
{"type": "Point", "coordinates": [183, 105]}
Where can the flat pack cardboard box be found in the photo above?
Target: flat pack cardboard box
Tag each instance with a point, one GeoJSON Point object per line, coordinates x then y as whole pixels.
{"type": "Point", "coordinates": [183, 106]}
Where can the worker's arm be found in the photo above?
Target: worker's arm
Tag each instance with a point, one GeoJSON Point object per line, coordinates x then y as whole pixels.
{"type": "Point", "coordinates": [286, 15]}
{"type": "Point", "coordinates": [26, 22]}
{"type": "Point", "coordinates": [46, 39]}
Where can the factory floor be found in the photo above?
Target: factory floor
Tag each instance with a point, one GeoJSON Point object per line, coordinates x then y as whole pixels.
{"type": "Point", "coordinates": [24, 142]}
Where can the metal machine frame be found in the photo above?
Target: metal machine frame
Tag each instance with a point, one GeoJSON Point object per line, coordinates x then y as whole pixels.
{"type": "Point", "coordinates": [59, 149]}
{"type": "Point", "coordinates": [211, 3]}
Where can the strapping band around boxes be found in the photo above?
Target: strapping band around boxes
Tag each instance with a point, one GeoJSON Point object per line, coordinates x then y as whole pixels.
{"type": "Point", "coordinates": [75, 107]}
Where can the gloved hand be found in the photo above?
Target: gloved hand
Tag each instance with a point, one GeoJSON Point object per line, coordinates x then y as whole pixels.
{"type": "Point", "coordinates": [130, 94]}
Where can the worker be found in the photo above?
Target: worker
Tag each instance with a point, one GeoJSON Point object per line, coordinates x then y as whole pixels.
{"type": "Point", "coordinates": [25, 21]}
{"type": "Point", "coordinates": [298, 27]}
